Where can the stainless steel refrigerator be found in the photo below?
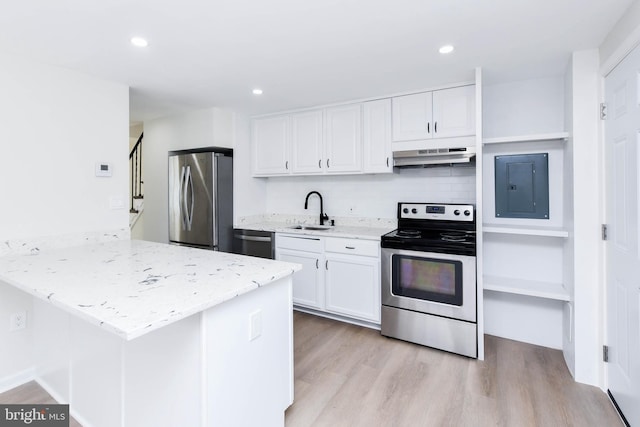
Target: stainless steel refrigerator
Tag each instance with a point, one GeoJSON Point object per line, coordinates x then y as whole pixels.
{"type": "Point", "coordinates": [201, 198]}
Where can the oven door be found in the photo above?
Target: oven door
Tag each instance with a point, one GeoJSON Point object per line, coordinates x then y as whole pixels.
{"type": "Point", "coordinates": [428, 282]}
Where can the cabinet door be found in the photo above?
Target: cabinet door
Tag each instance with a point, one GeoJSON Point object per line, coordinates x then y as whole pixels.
{"type": "Point", "coordinates": [270, 140]}
{"type": "Point", "coordinates": [306, 142]}
{"type": "Point", "coordinates": [454, 112]}
{"type": "Point", "coordinates": [412, 117]}
{"type": "Point", "coordinates": [343, 139]}
{"type": "Point", "coordinates": [378, 156]}
{"type": "Point", "coordinates": [353, 286]}
{"type": "Point", "coordinates": [308, 283]}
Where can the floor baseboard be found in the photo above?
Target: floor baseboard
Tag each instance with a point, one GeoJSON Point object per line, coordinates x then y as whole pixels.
{"type": "Point", "coordinates": [12, 381]}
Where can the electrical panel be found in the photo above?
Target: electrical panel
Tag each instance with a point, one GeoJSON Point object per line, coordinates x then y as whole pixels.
{"type": "Point", "coordinates": [522, 186]}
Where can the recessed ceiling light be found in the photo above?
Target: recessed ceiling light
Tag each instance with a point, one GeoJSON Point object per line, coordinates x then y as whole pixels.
{"type": "Point", "coordinates": [446, 49]}
{"type": "Point", "coordinates": [257, 91]}
{"type": "Point", "coordinates": [139, 41]}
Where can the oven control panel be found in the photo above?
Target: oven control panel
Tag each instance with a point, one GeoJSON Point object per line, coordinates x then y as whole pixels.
{"type": "Point", "coordinates": [435, 211]}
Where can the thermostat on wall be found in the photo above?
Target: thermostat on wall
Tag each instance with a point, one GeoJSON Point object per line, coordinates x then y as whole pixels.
{"type": "Point", "coordinates": [103, 169]}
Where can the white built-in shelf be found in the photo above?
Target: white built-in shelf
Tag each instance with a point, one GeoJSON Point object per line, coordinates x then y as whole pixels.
{"type": "Point", "coordinates": [529, 230]}
{"type": "Point", "coordinates": [554, 291]}
{"type": "Point", "coordinates": [559, 136]}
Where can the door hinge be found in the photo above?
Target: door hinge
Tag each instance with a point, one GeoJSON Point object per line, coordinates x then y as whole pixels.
{"type": "Point", "coordinates": [604, 232]}
{"type": "Point", "coordinates": [605, 353]}
{"type": "Point", "coordinates": [603, 111]}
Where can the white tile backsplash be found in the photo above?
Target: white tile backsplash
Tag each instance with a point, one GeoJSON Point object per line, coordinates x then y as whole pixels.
{"type": "Point", "coordinates": [370, 196]}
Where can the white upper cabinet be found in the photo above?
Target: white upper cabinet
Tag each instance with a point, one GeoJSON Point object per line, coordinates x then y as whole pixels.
{"type": "Point", "coordinates": [270, 139]}
{"type": "Point", "coordinates": [412, 116]}
{"type": "Point", "coordinates": [454, 112]}
{"type": "Point", "coordinates": [343, 139]}
{"type": "Point", "coordinates": [360, 137]}
{"type": "Point", "coordinates": [439, 114]}
{"type": "Point", "coordinates": [376, 127]}
{"type": "Point", "coordinates": [306, 142]}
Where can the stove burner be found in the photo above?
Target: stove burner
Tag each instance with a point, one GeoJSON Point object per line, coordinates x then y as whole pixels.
{"type": "Point", "coordinates": [454, 236]}
{"type": "Point", "coordinates": [410, 234]}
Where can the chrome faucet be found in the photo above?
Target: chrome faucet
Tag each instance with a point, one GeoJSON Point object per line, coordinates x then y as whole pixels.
{"type": "Point", "coordinates": [323, 215]}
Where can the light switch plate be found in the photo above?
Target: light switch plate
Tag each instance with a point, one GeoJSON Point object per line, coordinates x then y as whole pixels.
{"type": "Point", "coordinates": [103, 169]}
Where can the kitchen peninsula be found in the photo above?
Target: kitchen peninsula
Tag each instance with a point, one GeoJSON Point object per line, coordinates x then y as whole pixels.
{"type": "Point", "coordinates": [145, 334]}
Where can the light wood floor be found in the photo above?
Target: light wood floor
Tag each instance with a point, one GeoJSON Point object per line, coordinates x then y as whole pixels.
{"type": "Point", "coordinates": [30, 393]}
{"type": "Point", "coordinates": [346, 375]}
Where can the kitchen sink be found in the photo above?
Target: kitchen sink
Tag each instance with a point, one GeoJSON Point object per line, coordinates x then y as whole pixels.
{"type": "Point", "coordinates": [311, 227]}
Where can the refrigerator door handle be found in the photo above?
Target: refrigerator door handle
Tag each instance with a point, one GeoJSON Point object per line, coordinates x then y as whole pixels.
{"type": "Point", "coordinates": [189, 207]}
{"type": "Point", "coordinates": [182, 197]}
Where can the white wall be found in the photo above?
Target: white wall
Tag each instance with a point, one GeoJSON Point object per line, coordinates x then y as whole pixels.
{"type": "Point", "coordinates": [622, 38]}
{"type": "Point", "coordinates": [202, 128]}
{"type": "Point", "coordinates": [55, 125]}
{"type": "Point", "coordinates": [523, 107]}
{"type": "Point", "coordinates": [588, 202]}
{"type": "Point", "coordinates": [568, 318]}
{"type": "Point", "coordinates": [249, 194]}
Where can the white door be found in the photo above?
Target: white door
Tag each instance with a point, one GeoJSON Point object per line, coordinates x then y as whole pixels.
{"type": "Point", "coordinates": [454, 112]}
{"type": "Point", "coordinates": [378, 157]}
{"type": "Point", "coordinates": [412, 117]}
{"type": "Point", "coordinates": [343, 139]}
{"type": "Point", "coordinates": [270, 139]}
{"type": "Point", "coordinates": [622, 136]}
{"type": "Point", "coordinates": [306, 142]}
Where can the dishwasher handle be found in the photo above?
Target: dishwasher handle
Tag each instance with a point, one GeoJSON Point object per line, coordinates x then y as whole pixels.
{"type": "Point", "coordinates": [252, 238]}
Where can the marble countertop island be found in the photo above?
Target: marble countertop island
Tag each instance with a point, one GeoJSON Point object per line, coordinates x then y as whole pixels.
{"type": "Point", "coordinates": [133, 287]}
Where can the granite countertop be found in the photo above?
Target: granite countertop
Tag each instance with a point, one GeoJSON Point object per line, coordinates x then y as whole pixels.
{"type": "Point", "coordinates": [351, 231]}
{"type": "Point", "coordinates": [133, 287]}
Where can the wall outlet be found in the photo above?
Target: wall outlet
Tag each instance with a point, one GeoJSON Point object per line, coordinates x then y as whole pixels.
{"type": "Point", "coordinates": [255, 325]}
{"type": "Point", "coordinates": [18, 321]}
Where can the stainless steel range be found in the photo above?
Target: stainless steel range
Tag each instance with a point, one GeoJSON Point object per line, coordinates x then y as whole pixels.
{"type": "Point", "coordinates": [429, 277]}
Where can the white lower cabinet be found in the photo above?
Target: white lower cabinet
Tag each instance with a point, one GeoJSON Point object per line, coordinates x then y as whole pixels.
{"type": "Point", "coordinates": [308, 283]}
{"type": "Point", "coordinates": [353, 286]}
{"type": "Point", "coordinates": [339, 276]}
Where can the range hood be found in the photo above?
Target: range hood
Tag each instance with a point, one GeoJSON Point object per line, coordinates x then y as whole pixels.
{"type": "Point", "coordinates": [434, 157]}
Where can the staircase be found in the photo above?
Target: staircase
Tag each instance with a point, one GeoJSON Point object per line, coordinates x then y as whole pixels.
{"type": "Point", "coordinates": [137, 197]}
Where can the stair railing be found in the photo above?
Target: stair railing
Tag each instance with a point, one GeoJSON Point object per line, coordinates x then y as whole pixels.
{"type": "Point", "coordinates": [135, 161]}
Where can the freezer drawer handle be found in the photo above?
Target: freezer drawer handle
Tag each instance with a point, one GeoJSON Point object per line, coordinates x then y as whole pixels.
{"type": "Point", "coordinates": [252, 238]}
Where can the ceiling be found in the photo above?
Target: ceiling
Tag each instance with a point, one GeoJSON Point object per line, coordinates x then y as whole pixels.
{"type": "Point", "coordinates": [205, 53]}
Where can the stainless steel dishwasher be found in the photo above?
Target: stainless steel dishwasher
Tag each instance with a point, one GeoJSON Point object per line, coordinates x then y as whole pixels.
{"type": "Point", "coordinates": [254, 243]}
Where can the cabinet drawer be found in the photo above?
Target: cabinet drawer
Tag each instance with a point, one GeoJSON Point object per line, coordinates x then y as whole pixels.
{"type": "Point", "coordinates": [353, 246]}
{"type": "Point", "coordinates": [300, 243]}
